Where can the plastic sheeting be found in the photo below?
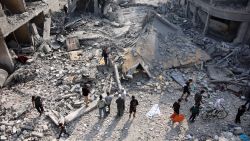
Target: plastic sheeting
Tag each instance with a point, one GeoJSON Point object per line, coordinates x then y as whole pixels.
{"type": "Point", "coordinates": [154, 111]}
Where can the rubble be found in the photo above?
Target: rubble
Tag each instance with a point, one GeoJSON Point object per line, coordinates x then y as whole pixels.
{"type": "Point", "coordinates": [3, 76]}
{"type": "Point", "coordinates": [150, 42]}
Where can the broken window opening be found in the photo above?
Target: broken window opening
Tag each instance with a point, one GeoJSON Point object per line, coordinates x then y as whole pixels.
{"type": "Point", "coordinates": [223, 29]}
{"type": "Point", "coordinates": [85, 6]}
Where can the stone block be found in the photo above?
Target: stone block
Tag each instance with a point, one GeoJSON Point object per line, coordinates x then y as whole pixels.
{"type": "Point", "coordinates": [37, 134]}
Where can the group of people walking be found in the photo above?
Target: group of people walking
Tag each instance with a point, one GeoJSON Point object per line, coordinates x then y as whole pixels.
{"type": "Point", "coordinates": [195, 109]}
{"type": "Point", "coordinates": [104, 105]}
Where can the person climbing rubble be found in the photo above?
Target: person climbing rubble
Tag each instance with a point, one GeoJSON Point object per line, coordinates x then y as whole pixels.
{"type": "Point", "coordinates": [62, 130]}
{"type": "Point", "coordinates": [85, 93]}
{"type": "Point", "coordinates": [176, 106]}
{"type": "Point", "coordinates": [186, 89]}
{"type": "Point", "coordinates": [120, 106]}
{"type": "Point", "coordinates": [133, 104]}
{"type": "Point", "coordinates": [105, 55]}
{"type": "Point", "coordinates": [101, 106]}
{"type": "Point", "coordinates": [108, 100]}
{"type": "Point", "coordinates": [37, 103]}
{"type": "Point", "coordinates": [241, 111]}
{"type": "Point", "coordinates": [198, 97]}
{"type": "Point", "coordinates": [195, 110]}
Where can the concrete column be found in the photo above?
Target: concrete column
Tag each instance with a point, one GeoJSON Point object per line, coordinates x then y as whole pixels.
{"type": "Point", "coordinates": [241, 32]}
{"type": "Point", "coordinates": [96, 7]}
{"type": "Point", "coordinates": [206, 24]}
{"type": "Point", "coordinates": [195, 16]}
{"type": "Point", "coordinates": [6, 61]}
{"type": "Point", "coordinates": [187, 8]}
{"type": "Point", "coordinates": [248, 6]}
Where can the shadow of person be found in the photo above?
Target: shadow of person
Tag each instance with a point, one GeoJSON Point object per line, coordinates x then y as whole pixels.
{"type": "Point", "coordinates": [124, 131]}
{"type": "Point", "coordinates": [108, 132]}
{"type": "Point", "coordinates": [95, 130]}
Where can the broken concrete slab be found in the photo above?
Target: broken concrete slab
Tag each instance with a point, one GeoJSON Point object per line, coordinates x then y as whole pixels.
{"type": "Point", "coordinates": [66, 96]}
{"type": "Point", "coordinates": [76, 55]}
{"type": "Point", "coordinates": [81, 111]}
{"type": "Point", "coordinates": [217, 73]}
{"type": "Point", "coordinates": [27, 50]}
{"type": "Point", "coordinates": [234, 88]}
{"type": "Point", "coordinates": [7, 123]}
{"type": "Point", "coordinates": [178, 77]}
{"type": "Point", "coordinates": [72, 43]}
{"type": "Point", "coordinates": [3, 76]}
{"type": "Point", "coordinates": [155, 48]}
{"type": "Point", "coordinates": [37, 134]}
{"type": "Point", "coordinates": [53, 118]}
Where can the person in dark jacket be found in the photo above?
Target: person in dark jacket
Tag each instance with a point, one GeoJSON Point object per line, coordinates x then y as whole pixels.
{"type": "Point", "coordinates": [248, 100]}
{"type": "Point", "coordinates": [194, 112]}
{"type": "Point", "coordinates": [105, 55]}
{"type": "Point", "coordinates": [198, 97]}
{"type": "Point", "coordinates": [85, 93]}
{"type": "Point", "coordinates": [65, 9]}
{"type": "Point", "coordinates": [176, 106]}
{"type": "Point", "coordinates": [37, 103]}
{"type": "Point", "coordinates": [133, 105]}
{"type": "Point", "coordinates": [62, 130]}
{"type": "Point", "coordinates": [241, 111]}
{"type": "Point", "coordinates": [186, 89]}
{"type": "Point", "coordinates": [120, 106]}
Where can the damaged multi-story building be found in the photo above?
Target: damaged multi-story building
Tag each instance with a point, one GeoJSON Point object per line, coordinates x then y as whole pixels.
{"type": "Point", "coordinates": [226, 19]}
{"type": "Point", "coordinates": [16, 20]}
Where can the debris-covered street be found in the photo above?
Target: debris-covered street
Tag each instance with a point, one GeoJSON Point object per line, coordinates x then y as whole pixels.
{"type": "Point", "coordinates": [55, 49]}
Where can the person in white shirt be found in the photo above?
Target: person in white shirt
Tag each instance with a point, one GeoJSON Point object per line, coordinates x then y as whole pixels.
{"type": "Point", "coordinates": [124, 94]}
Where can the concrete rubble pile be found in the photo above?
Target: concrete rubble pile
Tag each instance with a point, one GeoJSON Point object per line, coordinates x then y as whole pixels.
{"type": "Point", "coordinates": [153, 50]}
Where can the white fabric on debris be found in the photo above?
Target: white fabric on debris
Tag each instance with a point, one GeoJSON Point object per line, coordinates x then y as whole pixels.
{"type": "Point", "coordinates": [154, 111]}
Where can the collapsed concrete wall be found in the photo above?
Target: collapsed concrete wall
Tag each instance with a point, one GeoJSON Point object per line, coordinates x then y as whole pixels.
{"type": "Point", "coordinates": [222, 18]}
{"type": "Point", "coordinates": [5, 58]}
{"type": "Point", "coordinates": [14, 6]}
{"type": "Point", "coordinates": [17, 28]}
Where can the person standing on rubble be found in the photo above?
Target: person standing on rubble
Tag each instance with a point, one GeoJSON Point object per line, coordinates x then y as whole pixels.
{"type": "Point", "coordinates": [176, 106]}
{"type": "Point", "coordinates": [105, 55]}
{"type": "Point", "coordinates": [37, 103]}
{"type": "Point", "coordinates": [108, 100]}
{"type": "Point", "coordinates": [186, 89]}
{"type": "Point", "coordinates": [85, 93]}
{"type": "Point", "coordinates": [241, 111]}
{"type": "Point", "coordinates": [248, 101]}
{"type": "Point", "coordinates": [194, 112]}
{"type": "Point", "coordinates": [133, 105]}
{"type": "Point", "coordinates": [120, 106]}
{"type": "Point", "coordinates": [102, 4]}
{"type": "Point", "coordinates": [101, 106]}
{"type": "Point", "coordinates": [198, 97]}
{"type": "Point", "coordinates": [62, 130]}
{"type": "Point", "coordinates": [65, 9]}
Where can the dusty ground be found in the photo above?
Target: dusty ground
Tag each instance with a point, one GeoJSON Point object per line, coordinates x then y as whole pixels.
{"type": "Point", "coordinates": [53, 78]}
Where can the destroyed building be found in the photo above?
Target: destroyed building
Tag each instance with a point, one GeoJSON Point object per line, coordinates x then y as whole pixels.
{"type": "Point", "coordinates": [226, 19]}
{"type": "Point", "coordinates": [154, 47]}
{"type": "Point", "coordinates": [16, 19]}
